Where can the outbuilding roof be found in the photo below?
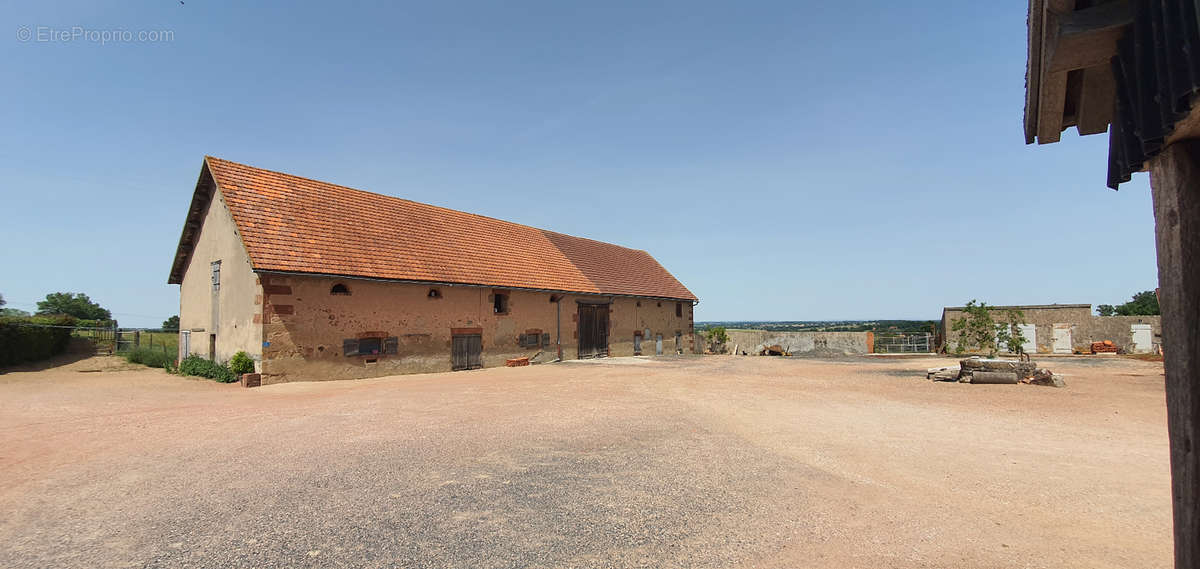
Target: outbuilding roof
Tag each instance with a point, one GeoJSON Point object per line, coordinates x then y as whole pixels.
{"type": "Point", "coordinates": [292, 224]}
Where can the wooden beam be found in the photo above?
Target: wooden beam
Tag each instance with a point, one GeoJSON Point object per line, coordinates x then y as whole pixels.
{"type": "Point", "coordinates": [1033, 69]}
{"type": "Point", "coordinates": [1095, 108]}
{"type": "Point", "coordinates": [1052, 87]}
{"type": "Point", "coordinates": [1087, 38]}
{"type": "Point", "coordinates": [1174, 178]}
{"type": "Point", "coordinates": [1051, 102]}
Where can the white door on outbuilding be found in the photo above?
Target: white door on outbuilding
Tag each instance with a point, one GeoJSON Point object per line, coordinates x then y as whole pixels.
{"type": "Point", "coordinates": [1029, 331]}
{"type": "Point", "coordinates": [1143, 338]}
{"type": "Point", "coordinates": [1062, 339]}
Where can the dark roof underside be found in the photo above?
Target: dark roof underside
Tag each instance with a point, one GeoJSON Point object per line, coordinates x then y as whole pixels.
{"type": "Point", "coordinates": [1157, 74]}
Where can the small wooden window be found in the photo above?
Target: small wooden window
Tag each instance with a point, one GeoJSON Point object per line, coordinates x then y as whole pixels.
{"type": "Point", "coordinates": [216, 276]}
{"type": "Point", "coordinates": [340, 290]}
{"type": "Point", "coordinates": [500, 303]}
{"type": "Point", "coordinates": [679, 310]}
{"type": "Point", "coordinates": [434, 293]}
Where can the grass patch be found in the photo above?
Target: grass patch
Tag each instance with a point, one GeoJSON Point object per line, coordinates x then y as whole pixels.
{"type": "Point", "coordinates": [152, 357]}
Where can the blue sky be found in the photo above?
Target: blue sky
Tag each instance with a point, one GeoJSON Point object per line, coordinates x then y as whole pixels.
{"type": "Point", "coordinates": [785, 160]}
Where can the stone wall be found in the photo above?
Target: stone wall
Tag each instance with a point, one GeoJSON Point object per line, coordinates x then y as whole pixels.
{"type": "Point", "coordinates": [1084, 326]}
{"type": "Point", "coordinates": [305, 326]}
{"type": "Point", "coordinates": [800, 343]}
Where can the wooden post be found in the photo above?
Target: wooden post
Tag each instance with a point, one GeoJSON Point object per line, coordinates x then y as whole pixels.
{"type": "Point", "coordinates": [1175, 181]}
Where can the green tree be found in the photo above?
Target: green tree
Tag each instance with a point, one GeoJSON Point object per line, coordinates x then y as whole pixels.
{"type": "Point", "coordinates": [2, 301]}
{"type": "Point", "coordinates": [74, 304]}
{"type": "Point", "coordinates": [1106, 310]}
{"type": "Point", "coordinates": [1144, 303]}
{"type": "Point", "coordinates": [979, 330]}
{"type": "Point", "coordinates": [171, 324]}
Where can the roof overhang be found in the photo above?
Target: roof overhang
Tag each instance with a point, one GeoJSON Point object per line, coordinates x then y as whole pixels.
{"type": "Point", "coordinates": [1068, 74]}
{"type": "Point", "coordinates": [206, 186]}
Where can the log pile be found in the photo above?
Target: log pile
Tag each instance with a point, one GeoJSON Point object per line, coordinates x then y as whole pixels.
{"type": "Point", "coordinates": [775, 350]}
{"type": "Point", "coordinates": [988, 371]}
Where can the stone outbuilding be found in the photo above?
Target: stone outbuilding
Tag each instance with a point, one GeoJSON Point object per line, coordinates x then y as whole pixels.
{"type": "Point", "coordinates": [318, 281]}
{"type": "Point", "coordinates": [1069, 328]}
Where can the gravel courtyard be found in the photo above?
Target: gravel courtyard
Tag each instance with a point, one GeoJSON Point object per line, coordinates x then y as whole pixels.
{"type": "Point", "coordinates": [692, 462]}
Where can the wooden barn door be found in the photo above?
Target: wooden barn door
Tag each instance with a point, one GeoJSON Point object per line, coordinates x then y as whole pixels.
{"type": "Point", "coordinates": [467, 351]}
{"type": "Point", "coordinates": [593, 330]}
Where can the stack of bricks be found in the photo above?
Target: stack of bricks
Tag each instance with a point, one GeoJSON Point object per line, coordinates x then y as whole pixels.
{"type": "Point", "coordinates": [1105, 347]}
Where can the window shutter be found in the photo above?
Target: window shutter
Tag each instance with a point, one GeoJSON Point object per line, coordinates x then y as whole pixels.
{"type": "Point", "coordinates": [545, 339]}
{"type": "Point", "coordinates": [350, 347]}
{"type": "Point", "coordinates": [391, 345]}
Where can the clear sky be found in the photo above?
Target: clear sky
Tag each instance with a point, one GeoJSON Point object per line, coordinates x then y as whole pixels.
{"type": "Point", "coordinates": [785, 160]}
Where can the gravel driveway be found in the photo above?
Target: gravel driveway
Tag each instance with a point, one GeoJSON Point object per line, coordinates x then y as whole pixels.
{"type": "Point", "coordinates": [675, 462]}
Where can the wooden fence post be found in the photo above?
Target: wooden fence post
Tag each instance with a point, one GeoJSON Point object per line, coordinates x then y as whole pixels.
{"type": "Point", "coordinates": [1175, 183]}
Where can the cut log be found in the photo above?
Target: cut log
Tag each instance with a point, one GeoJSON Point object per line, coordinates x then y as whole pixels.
{"type": "Point", "coordinates": [994, 377]}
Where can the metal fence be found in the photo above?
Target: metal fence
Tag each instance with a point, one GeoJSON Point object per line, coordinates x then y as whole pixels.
{"type": "Point", "coordinates": [916, 343]}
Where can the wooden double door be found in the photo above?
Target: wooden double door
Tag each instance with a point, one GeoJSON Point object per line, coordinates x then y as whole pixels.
{"type": "Point", "coordinates": [593, 330]}
{"type": "Point", "coordinates": [467, 350]}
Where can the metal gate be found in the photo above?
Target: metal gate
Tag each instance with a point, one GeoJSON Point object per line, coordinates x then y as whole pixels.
{"type": "Point", "coordinates": [915, 343]}
{"type": "Point", "coordinates": [467, 352]}
{"type": "Point", "coordinates": [593, 330]}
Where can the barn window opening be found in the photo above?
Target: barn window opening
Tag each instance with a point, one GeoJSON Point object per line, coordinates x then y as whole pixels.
{"type": "Point", "coordinates": [434, 293]}
{"type": "Point", "coordinates": [500, 303]}
{"type": "Point", "coordinates": [679, 310]}
{"type": "Point", "coordinates": [370, 346]}
{"type": "Point", "coordinates": [660, 305]}
{"type": "Point", "coordinates": [340, 289]}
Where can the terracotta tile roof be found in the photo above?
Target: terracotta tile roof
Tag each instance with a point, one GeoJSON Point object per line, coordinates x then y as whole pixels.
{"type": "Point", "coordinates": [294, 224]}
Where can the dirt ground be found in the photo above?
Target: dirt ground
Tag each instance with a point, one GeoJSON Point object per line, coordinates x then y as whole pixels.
{"type": "Point", "coordinates": [715, 461]}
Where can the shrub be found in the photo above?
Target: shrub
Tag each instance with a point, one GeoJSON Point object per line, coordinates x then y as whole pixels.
{"type": "Point", "coordinates": [21, 340]}
{"type": "Point", "coordinates": [241, 363]}
{"type": "Point", "coordinates": [200, 367]}
{"type": "Point", "coordinates": [150, 357]}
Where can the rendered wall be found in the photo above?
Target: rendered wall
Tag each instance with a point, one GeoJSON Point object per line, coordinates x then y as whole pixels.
{"type": "Point", "coordinates": [305, 326]}
{"type": "Point", "coordinates": [239, 327]}
{"type": "Point", "coordinates": [799, 343]}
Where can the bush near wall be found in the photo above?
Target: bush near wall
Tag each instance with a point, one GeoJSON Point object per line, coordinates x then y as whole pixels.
{"type": "Point", "coordinates": [20, 342]}
{"type": "Point", "coordinates": [200, 367]}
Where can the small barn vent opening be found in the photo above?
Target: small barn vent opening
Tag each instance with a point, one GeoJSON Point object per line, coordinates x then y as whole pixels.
{"type": "Point", "coordinates": [340, 289]}
{"type": "Point", "coordinates": [434, 293]}
{"type": "Point", "coordinates": [679, 310]}
{"type": "Point", "coordinates": [500, 303]}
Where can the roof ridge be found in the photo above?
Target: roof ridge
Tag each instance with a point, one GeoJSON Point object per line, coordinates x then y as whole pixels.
{"type": "Point", "coordinates": [443, 208]}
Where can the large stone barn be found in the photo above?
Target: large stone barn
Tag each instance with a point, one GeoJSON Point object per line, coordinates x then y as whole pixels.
{"type": "Point", "coordinates": [319, 281]}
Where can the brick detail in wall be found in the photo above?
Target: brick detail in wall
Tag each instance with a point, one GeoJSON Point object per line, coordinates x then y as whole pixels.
{"type": "Point", "coordinates": [277, 289]}
{"type": "Point", "coordinates": [258, 318]}
{"type": "Point", "coordinates": [280, 309]}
